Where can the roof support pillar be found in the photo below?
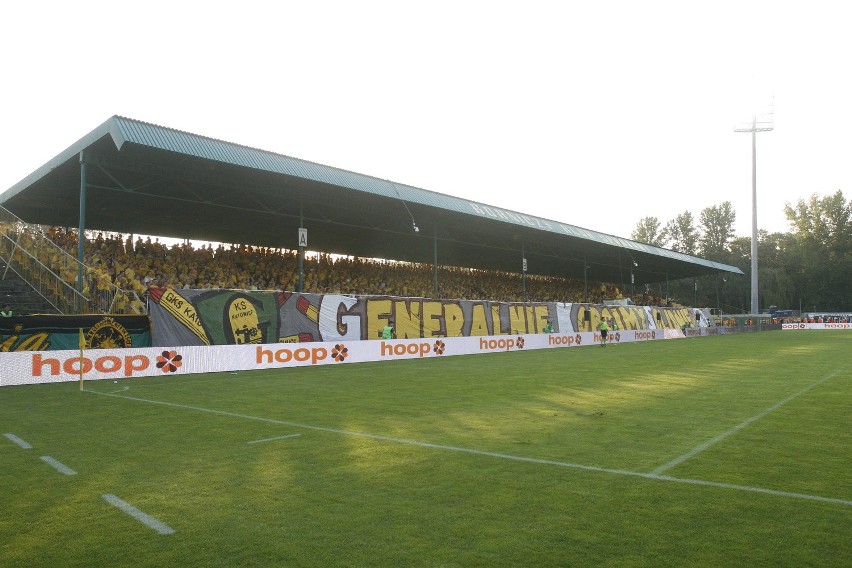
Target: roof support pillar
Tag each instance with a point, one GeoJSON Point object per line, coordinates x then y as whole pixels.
{"type": "Point", "coordinates": [81, 235]}
{"type": "Point", "coordinates": [435, 261]}
{"type": "Point", "coordinates": [301, 286]}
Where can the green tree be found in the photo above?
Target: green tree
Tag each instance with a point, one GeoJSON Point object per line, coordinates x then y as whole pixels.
{"type": "Point", "coordinates": [717, 230]}
{"type": "Point", "coordinates": [681, 233]}
{"type": "Point", "coordinates": [736, 292]}
{"type": "Point", "coordinates": [715, 235]}
{"type": "Point", "coordinates": [777, 269]}
{"type": "Point", "coordinates": [821, 226]}
{"type": "Point", "coordinates": [824, 221]}
{"type": "Point", "coordinates": [648, 230]}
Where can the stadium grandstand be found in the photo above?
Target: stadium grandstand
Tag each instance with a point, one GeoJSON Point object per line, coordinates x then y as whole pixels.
{"type": "Point", "coordinates": [128, 178]}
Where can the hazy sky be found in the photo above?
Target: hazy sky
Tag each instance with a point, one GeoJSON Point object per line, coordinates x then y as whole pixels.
{"type": "Point", "coordinates": [594, 114]}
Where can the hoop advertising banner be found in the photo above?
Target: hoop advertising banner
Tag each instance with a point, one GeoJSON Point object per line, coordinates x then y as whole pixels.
{"type": "Point", "coordinates": [22, 368]}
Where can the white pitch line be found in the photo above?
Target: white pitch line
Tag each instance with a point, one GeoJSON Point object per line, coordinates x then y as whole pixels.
{"type": "Point", "coordinates": [712, 441]}
{"type": "Point", "coordinates": [140, 516]}
{"type": "Point", "coordinates": [752, 489]}
{"type": "Point", "coordinates": [18, 441]}
{"type": "Point", "coordinates": [58, 466]}
{"type": "Point", "coordinates": [273, 439]}
{"type": "Point", "coordinates": [622, 472]}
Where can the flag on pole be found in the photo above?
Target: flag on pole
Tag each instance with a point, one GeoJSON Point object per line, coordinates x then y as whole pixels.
{"type": "Point", "coordinates": [82, 346]}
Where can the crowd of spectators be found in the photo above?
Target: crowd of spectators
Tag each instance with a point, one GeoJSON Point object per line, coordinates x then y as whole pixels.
{"type": "Point", "coordinates": [134, 264]}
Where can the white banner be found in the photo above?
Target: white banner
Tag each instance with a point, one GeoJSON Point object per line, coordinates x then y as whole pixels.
{"type": "Point", "coordinates": [36, 367]}
{"type": "Point", "coordinates": [816, 326]}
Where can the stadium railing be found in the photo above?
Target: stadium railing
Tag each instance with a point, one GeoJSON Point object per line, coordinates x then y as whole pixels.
{"type": "Point", "coordinates": [52, 272]}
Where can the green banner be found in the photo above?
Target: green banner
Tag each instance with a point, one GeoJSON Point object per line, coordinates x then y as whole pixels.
{"type": "Point", "coordinates": [53, 333]}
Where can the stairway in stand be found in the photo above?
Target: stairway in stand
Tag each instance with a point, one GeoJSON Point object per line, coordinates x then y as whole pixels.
{"type": "Point", "coordinates": [20, 296]}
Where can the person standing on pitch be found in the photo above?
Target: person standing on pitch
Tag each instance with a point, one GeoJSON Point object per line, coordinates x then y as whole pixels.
{"type": "Point", "coordinates": [604, 328]}
{"type": "Point", "coordinates": [388, 332]}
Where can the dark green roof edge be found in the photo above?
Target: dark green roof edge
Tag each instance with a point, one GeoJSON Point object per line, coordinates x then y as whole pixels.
{"type": "Point", "coordinates": [125, 130]}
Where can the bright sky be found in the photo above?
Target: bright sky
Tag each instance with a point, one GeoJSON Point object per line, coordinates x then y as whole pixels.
{"type": "Point", "coordinates": [594, 114]}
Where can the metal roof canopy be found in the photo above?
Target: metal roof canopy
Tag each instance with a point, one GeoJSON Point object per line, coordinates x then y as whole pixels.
{"type": "Point", "coordinates": [150, 180]}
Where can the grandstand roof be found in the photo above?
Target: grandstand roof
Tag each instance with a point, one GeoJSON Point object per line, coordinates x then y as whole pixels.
{"type": "Point", "coordinates": [147, 179]}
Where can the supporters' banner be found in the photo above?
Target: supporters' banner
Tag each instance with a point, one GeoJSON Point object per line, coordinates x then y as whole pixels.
{"type": "Point", "coordinates": [236, 317]}
{"type": "Point", "coordinates": [587, 317]}
{"type": "Point", "coordinates": [213, 317]}
{"type": "Point", "coordinates": [51, 333]}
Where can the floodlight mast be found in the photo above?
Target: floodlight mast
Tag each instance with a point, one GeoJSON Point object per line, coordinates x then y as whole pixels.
{"type": "Point", "coordinates": [755, 127]}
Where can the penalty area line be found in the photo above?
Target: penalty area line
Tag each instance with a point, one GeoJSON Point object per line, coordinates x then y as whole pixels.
{"type": "Point", "coordinates": [140, 516]}
{"type": "Point", "coordinates": [18, 441]}
{"type": "Point", "coordinates": [752, 489]}
{"type": "Point", "coordinates": [58, 466]}
{"type": "Point", "coordinates": [525, 459]}
{"type": "Point", "coordinates": [724, 435]}
{"type": "Point", "coordinates": [273, 439]}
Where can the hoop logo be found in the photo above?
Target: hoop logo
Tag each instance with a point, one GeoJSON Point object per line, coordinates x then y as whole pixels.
{"type": "Point", "coordinates": [644, 335]}
{"type": "Point", "coordinates": [413, 348]}
{"type": "Point", "coordinates": [564, 339]}
{"type": "Point", "coordinates": [109, 365]}
{"type": "Point", "coordinates": [169, 361]}
{"type": "Point", "coordinates": [339, 353]}
{"type": "Point", "coordinates": [301, 355]}
{"type": "Point", "coordinates": [504, 344]}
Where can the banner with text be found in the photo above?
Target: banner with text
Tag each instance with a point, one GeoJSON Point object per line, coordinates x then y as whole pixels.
{"type": "Point", "coordinates": [235, 317]}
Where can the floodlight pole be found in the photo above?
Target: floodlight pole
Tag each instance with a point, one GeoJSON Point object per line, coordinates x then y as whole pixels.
{"type": "Point", "coordinates": [754, 128]}
{"type": "Point", "coordinates": [755, 305]}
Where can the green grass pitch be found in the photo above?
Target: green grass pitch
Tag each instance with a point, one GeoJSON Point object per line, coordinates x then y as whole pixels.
{"type": "Point", "coordinates": [721, 451]}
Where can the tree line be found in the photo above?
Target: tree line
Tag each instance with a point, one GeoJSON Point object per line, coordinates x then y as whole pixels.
{"type": "Point", "coordinates": [809, 267]}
